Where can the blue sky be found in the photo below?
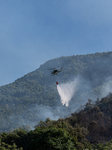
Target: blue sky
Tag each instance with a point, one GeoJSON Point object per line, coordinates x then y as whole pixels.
{"type": "Point", "coordinates": [34, 31]}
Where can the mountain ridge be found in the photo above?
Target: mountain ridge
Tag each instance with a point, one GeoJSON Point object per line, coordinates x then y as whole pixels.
{"type": "Point", "coordinates": [38, 87]}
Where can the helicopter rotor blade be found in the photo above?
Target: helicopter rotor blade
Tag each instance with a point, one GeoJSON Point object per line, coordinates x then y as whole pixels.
{"type": "Point", "coordinates": [51, 68]}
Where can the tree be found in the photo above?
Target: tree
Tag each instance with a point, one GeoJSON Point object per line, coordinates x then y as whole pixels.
{"type": "Point", "coordinates": [51, 138]}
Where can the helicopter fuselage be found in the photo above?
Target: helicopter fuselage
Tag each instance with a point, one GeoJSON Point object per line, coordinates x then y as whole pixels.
{"type": "Point", "coordinates": [56, 71]}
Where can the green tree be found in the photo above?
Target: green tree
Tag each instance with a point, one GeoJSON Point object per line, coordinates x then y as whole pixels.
{"type": "Point", "coordinates": [51, 138]}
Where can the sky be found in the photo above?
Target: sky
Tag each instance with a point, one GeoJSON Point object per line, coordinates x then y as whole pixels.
{"type": "Point", "coordinates": [35, 31]}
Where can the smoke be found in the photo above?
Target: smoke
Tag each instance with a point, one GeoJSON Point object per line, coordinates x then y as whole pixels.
{"type": "Point", "coordinates": [106, 87]}
{"type": "Point", "coordinates": [33, 115]}
{"type": "Point", "coordinates": [67, 91]}
{"type": "Point", "coordinates": [74, 94]}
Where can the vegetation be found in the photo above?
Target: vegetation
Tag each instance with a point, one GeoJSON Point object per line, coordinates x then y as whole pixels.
{"type": "Point", "coordinates": [38, 88]}
{"type": "Point", "coordinates": [88, 129]}
{"type": "Point", "coordinates": [23, 103]}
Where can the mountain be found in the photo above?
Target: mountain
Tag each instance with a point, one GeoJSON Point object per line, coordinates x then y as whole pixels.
{"type": "Point", "coordinates": [89, 128]}
{"type": "Point", "coordinates": [34, 97]}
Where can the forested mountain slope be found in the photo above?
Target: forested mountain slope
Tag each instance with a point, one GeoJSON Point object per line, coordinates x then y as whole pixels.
{"type": "Point", "coordinates": [89, 129]}
{"type": "Point", "coordinates": [26, 100]}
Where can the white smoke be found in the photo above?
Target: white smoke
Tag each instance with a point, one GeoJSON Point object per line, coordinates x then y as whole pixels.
{"type": "Point", "coordinates": [67, 90]}
{"type": "Point", "coordinates": [106, 87]}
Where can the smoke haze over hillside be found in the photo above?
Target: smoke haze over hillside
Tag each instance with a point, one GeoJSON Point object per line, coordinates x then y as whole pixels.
{"type": "Point", "coordinates": [69, 93]}
{"type": "Point", "coordinates": [106, 87]}
{"type": "Point", "coordinates": [36, 97]}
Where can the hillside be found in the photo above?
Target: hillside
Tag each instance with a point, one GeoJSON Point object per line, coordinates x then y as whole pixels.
{"type": "Point", "coordinates": [89, 129]}
{"type": "Point", "coordinates": [34, 97]}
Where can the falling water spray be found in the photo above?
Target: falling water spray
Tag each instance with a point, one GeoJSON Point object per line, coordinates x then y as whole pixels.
{"type": "Point", "coordinates": [67, 91]}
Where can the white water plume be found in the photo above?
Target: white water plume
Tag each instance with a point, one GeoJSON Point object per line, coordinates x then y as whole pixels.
{"type": "Point", "coordinates": [66, 91]}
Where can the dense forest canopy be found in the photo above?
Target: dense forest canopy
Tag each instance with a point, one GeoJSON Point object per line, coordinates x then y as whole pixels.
{"type": "Point", "coordinates": [34, 97]}
{"type": "Point", "coordinates": [87, 129]}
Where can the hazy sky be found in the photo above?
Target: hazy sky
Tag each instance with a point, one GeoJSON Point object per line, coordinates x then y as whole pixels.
{"type": "Point", "coordinates": [34, 31]}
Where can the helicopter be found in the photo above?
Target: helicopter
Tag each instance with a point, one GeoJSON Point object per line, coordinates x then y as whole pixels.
{"type": "Point", "coordinates": [55, 71]}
